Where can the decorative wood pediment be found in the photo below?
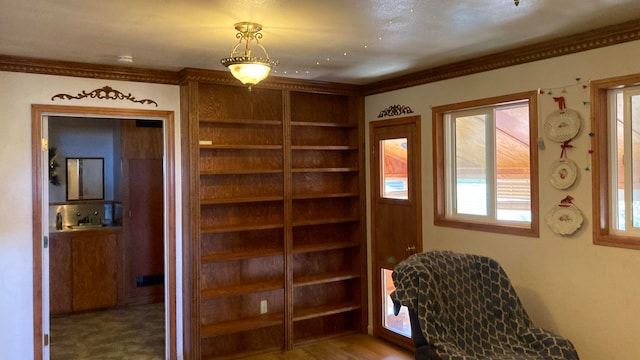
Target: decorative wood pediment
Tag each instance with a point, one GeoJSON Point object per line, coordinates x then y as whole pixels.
{"type": "Point", "coordinates": [106, 93]}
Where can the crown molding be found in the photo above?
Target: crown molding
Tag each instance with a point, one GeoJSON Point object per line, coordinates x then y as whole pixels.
{"type": "Point", "coordinates": [77, 69]}
{"type": "Point", "coordinates": [601, 37]}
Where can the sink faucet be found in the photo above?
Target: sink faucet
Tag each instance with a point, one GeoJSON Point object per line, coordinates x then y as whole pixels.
{"type": "Point", "coordinates": [59, 221]}
{"type": "Point", "coordinates": [96, 219]}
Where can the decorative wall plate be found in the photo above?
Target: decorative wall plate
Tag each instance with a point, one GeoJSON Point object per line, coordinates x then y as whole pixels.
{"type": "Point", "coordinates": [564, 219]}
{"type": "Point", "coordinates": [562, 126]}
{"type": "Point", "coordinates": [563, 173]}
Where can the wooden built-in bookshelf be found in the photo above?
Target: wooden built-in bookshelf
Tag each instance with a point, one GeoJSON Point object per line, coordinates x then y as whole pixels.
{"type": "Point", "coordinates": [277, 217]}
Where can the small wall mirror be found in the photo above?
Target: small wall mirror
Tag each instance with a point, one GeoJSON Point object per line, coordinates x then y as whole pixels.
{"type": "Point", "coordinates": [85, 179]}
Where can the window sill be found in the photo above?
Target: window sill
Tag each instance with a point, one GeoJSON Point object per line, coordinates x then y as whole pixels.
{"type": "Point", "coordinates": [620, 241]}
{"type": "Point", "coordinates": [529, 231]}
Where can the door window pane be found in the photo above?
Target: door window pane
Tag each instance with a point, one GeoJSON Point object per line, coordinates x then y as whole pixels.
{"type": "Point", "coordinates": [393, 162]}
{"type": "Point", "coordinates": [399, 324]}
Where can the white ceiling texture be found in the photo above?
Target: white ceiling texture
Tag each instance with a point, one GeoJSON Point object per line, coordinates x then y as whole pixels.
{"type": "Point", "coordinates": [347, 41]}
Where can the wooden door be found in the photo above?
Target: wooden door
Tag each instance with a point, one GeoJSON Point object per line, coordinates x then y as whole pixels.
{"type": "Point", "coordinates": [145, 216]}
{"type": "Point", "coordinates": [396, 215]}
{"type": "Point", "coordinates": [143, 211]}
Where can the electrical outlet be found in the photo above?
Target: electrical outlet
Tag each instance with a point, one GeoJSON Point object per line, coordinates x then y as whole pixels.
{"type": "Point", "coordinates": [263, 306]}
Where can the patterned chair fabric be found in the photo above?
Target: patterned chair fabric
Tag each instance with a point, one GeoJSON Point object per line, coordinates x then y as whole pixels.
{"type": "Point", "coordinates": [468, 310]}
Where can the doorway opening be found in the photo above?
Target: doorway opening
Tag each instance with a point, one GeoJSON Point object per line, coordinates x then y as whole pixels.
{"type": "Point", "coordinates": [102, 283]}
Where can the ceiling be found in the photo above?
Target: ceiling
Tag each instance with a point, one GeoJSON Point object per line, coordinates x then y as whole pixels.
{"type": "Point", "coordinates": [346, 41]}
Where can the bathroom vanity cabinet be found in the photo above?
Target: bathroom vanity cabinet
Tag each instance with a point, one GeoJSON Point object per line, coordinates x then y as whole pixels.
{"type": "Point", "coordinates": [83, 271]}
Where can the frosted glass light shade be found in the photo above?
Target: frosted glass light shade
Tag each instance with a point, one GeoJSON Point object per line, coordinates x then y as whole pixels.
{"type": "Point", "coordinates": [250, 73]}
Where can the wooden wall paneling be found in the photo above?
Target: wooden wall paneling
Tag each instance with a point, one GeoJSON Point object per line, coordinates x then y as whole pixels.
{"type": "Point", "coordinates": [320, 237]}
{"type": "Point", "coordinates": [234, 187]}
{"type": "Point", "coordinates": [235, 276]}
{"type": "Point", "coordinates": [189, 102]}
{"type": "Point", "coordinates": [329, 158]}
{"type": "Point", "coordinates": [241, 216]}
{"type": "Point", "coordinates": [240, 344]}
{"type": "Point", "coordinates": [254, 161]}
{"type": "Point", "coordinates": [222, 102]}
{"type": "Point", "coordinates": [241, 244]}
{"type": "Point", "coordinates": [317, 300]}
{"type": "Point", "coordinates": [309, 184]}
{"type": "Point", "coordinates": [238, 134]}
{"type": "Point", "coordinates": [325, 210]}
{"type": "Point", "coordinates": [320, 328]}
{"type": "Point", "coordinates": [320, 108]}
{"type": "Point", "coordinates": [322, 135]}
{"type": "Point", "coordinates": [241, 306]}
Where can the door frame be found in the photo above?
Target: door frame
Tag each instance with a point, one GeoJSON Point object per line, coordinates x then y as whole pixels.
{"type": "Point", "coordinates": [378, 328]}
{"type": "Point", "coordinates": [38, 114]}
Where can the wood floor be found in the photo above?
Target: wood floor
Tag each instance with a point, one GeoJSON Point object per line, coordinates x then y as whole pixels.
{"type": "Point", "coordinates": [137, 332]}
{"type": "Point", "coordinates": [353, 347]}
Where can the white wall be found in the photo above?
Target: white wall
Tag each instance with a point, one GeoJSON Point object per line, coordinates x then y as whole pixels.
{"type": "Point", "coordinates": [17, 92]}
{"type": "Point", "coordinates": [588, 293]}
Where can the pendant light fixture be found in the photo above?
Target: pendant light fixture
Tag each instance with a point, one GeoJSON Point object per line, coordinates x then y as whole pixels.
{"type": "Point", "coordinates": [245, 67]}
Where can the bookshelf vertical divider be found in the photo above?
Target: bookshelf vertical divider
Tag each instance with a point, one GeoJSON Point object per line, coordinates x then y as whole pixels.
{"type": "Point", "coordinates": [286, 131]}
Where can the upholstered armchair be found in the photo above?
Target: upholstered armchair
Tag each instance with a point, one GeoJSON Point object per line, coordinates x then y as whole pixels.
{"type": "Point", "coordinates": [463, 307]}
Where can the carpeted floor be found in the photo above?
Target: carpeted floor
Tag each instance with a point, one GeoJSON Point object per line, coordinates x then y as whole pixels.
{"type": "Point", "coordinates": [134, 332]}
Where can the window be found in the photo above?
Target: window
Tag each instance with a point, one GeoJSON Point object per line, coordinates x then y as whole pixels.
{"type": "Point", "coordinates": [399, 324]}
{"type": "Point", "coordinates": [615, 105]}
{"type": "Point", "coordinates": [393, 165]}
{"type": "Point", "coordinates": [485, 164]}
